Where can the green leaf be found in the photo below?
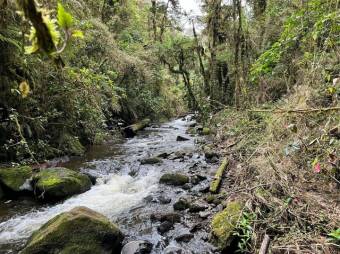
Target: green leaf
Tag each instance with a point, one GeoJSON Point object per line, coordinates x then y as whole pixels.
{"type": "Point", "coordinates": [335, 234]}
{"type": "Point", "coordinates": [65, 19]}
{"type": "Point", "coordinates": [78, 34]}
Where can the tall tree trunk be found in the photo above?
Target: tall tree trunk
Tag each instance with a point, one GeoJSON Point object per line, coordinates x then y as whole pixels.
{"type": "Point", "coordinates": [202, 69]}
{"type": "Point", "coordinates": [154, 22]}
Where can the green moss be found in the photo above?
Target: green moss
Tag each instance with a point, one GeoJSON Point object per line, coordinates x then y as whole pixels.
{"type": "Point", "coordinates": [175, 179]}
{"type": "Point", "coordinates": [61, 182]}
{"type": "Point", "coordinates": [71, 145]}
{"type": "Point", "coordinates": [224, 223]}
{"type": "Point", "coordinates": [215, 184]}
{"type": "Point", "coordinates": [14, 178]}
{"type": "Point", "coordinates": [79, 231]}
{"type": "Point", "coordinates": [153, 160]}
{"type": "Point", "coordinates": [206, 131]}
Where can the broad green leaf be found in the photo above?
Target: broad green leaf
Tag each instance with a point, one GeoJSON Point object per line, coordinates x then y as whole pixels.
{"type": "Point", "coordinates": [77, 34]}
{"type": "Point", "coordinates": [65, 19]}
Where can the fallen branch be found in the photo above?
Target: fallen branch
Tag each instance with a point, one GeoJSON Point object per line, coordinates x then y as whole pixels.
{"type": "Point", "coordinates": [265, 245]}
{"type": "Point", "coordinates": [306, 110]}
{"type": "Point", "coordinates": [215, 184]}
{"type": "Point", "coordinates": [131, 130]}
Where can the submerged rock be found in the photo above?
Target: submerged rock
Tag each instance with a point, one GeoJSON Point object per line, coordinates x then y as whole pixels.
{"type": "Point", "coordinates": [164, 200]}
{"type": "Point", "coordinates": [151, 161]}
{"type": "Point", "coordinates": [58, 183]}
{"type": "Point", "coordinates": [80, 231]}
{"type": "Point", "coordinates": [137, 247]}
{"type": "Point", "coordinates": [224, 223]}
{"type": "Point", "coordinates": [165, 227]}
{"type": "Point", "coordinates": [180, 138]}
{"type": "Point", "coordinates": [184, 237]}
{"type": "Point", "coordinates": [175, 179]}
{"type": "Point", "coordinates": [16, 179]}
{"type": "Point", "coordinates": [175, 250]}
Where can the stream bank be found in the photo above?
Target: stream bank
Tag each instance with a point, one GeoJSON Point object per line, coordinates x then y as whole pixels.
{"type": "Point", "coordinates": [128, 192]}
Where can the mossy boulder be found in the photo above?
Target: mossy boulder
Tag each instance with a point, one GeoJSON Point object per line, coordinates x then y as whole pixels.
{"type": "Point", "coordinates": [175, 179]}
{"type": "Point", "coordinates": [17, 178]}
{"type": "Point", "coordinates": [79, 231]}
{"type": "Point", "coordinates": [224, 223]}
{"type": "Point", "coordinates": [151, 161]}
{"type": "Point", "coordinates": [206, 131]}
{"type": "Point", "coordinates": [58, 183]}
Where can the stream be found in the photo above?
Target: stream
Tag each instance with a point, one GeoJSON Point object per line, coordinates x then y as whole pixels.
{"type": "Point", "coordinates": [129, 193]}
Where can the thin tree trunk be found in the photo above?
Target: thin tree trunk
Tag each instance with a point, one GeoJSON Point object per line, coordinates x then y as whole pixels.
{"type": "Point", "coordinates": [202, 69]}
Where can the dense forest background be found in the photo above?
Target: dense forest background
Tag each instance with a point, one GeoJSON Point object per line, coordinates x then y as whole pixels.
{"type": "Point", "coordinates": [263, 76]}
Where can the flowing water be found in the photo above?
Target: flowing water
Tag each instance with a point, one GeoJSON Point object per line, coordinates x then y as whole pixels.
{"type": "Point", "coordinates": [126, 191]}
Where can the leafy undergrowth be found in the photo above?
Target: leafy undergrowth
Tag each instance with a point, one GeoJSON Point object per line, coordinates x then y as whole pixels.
{"type": "Point", "coordinates": [286, 169]}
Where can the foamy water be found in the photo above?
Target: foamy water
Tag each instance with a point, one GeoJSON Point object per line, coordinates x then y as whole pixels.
{"type": "Point", "coordinates": [110, 199]}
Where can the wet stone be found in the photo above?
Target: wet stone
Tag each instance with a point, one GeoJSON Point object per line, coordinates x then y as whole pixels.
{"type": "Point", "coordinates": [184, 237]}
{"type": "Point", "coordinates": [175, 250]}
{"type": "Point", "coordinates": [137, 247]}
{"type": "Point", "coordinates": [180, 138]}
{"type": "Point", "coordinates": [182, 204]}
{"type": "Point", "coordinates": [197, 207]}
{"type": "Point", "coordinates": [164, 200]}
{"type": "Point", "coordinates": [165, 227]}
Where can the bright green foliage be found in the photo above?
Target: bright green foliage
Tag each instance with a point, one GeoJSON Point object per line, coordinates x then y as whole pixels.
{"type": "Point", "coordinates": [335, 235]}
{"type": "Point", "coordinates": [65, 19]}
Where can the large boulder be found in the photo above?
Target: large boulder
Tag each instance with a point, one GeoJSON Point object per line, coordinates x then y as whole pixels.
{"type": "Point", "coordinates": [175, 179]}
{"type": "Point", "coordinates": [16, 179]}
{"type": "Point", "coordinates": [80, 231]}
{"type": "Point", "coordinates": [59, 183]}
{"type": "Point", "coordinates": [224, 223]}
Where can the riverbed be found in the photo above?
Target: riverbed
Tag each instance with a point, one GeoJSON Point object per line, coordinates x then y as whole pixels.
{"type": "Point", "coordinates": [128, 192]}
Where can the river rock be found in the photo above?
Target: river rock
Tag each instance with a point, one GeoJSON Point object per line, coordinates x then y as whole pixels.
{"type": "Point", "coordinates": [180, 138]}
{"type": "Point", "coordinates": [182, 204]}
{"type": "Point", "coordinates": [175, 179]}
{"type": "Point", "coordinates": [164, 200]}
{"type": "Point", "coordinates": [137, 247]}
{"type": "Point", "coordinates": [151, 161]}
{"type": "Point", "coordinates": [187, 186]}
{"type": "Point", "coordinates": [224, 223]}
{"type": "Point", "coordinates": [196, 179]}
{"type": "Point", "coordinates": [171, 217]}
{"type": "Point", "coordinates": [184, 237]}
{"type": "Point", "coordinates": [163, 155]}
{"type": "Point", "coordinates": [58, 183]}
{"type": "Point", "coordinates": [175, 250]}
{"type": "Point", "coordinates": [165, 227]}
{"type": "Point", "coordinates": [80, 231]}
{"type": "Point", "coordinates": [197, 207]}
{"type": "Point", "coordinates": [16, 179]}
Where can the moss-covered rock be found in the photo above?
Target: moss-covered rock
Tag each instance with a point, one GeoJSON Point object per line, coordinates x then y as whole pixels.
{"type": "Point", "coordinates": [16, 178]}
{"type": "Point", "coordinates": [175, 179]}
{"type": "Point", "coordinates": [79, 231]}
{"type": "Point", "coordinates": [181, 204]}
{"type": "Point", "coordinates": [58, 183]}
{"type": "Point", "coordinates": [151, 161]}
{"type": "Point", "coordinates": [224, 223]}
{"type": "Point", "coordinates": [206, 131]}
